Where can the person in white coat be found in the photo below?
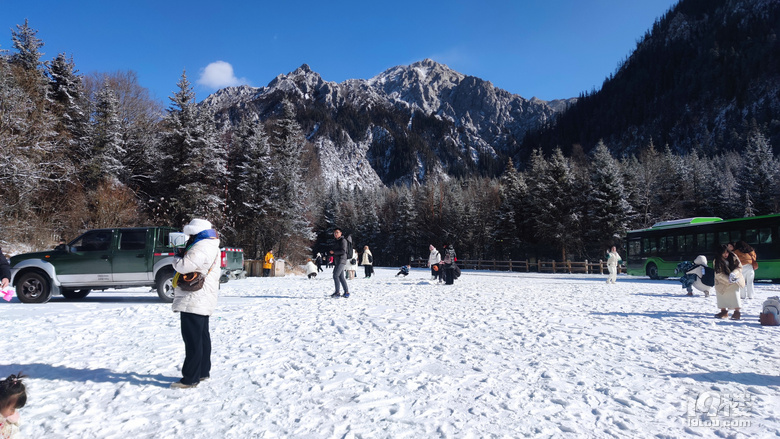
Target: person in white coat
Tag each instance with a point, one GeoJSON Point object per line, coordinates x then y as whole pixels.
{"type": "Point", "coordinates": [311, 269]}
{"type": "Point", "coordinates": [195, 307]}
{"type": "Point", "coordinates": [613, 258]}
{"type": "Point", "coordinates": [433, 262]}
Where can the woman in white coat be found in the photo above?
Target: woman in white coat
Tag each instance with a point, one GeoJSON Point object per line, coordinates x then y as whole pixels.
{"type": "Point", "coordinates": [728, 280]}
{"type": "Point", "coordinates": [200, 255]}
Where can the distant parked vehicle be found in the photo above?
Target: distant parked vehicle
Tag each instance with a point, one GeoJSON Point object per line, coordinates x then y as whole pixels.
{"type": "Point", "coordinates": [232, 263]}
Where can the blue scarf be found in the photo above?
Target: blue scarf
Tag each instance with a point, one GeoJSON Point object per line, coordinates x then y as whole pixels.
{"type": "Point", "coordinates": [206, 234]}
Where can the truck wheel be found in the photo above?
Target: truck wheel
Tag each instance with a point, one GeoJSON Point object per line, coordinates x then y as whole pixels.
{"type": "Point", "coordinates": [72, 294]}
{"type": "Point", "coordinates": [164, 285]}
{"type": "Point", "coordinates": [652, 271]}
{"type": "Point", "coordinates": [33, 287]}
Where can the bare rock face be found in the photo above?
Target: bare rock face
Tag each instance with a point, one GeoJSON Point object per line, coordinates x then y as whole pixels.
{"type": "Point", "coordinates": [407, 124]}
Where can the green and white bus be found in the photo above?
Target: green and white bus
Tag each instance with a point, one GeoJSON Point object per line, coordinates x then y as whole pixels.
{"type": "Point", "coordinates": [656, 251]}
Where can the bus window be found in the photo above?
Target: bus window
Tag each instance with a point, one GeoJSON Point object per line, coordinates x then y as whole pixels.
{"type": "Point", "coordinates": [736, 235]}
{"type": "Point", "coordinates": [645, 246]}
{"type": "Point", "coordinates": [689, 247]}
{"type": "Point", "coordinates": [662, 246]}
{"type": "Point", "coordinates": [670, 244]}
{"type": "Point", "coordinates": [701, 242]}
{"type": "Point", "coordinates": [751, 236]}
{"type": "Point", "coordinates": [723, 238]}
{"type": "Point", "coordinates": [765, 236]}
{"type": "Point", "coordinates": [634, 248]}
{"type": "Point", "coordinates": [681, 244]}
{"type": "Point", "coordinates": [710, 242]}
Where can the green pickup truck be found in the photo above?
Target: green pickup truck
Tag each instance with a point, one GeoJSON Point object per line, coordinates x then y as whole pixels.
{"type": "Point", "coordinates": [104, 259]}
{"type": "Point", "coordinates": [97, 260]}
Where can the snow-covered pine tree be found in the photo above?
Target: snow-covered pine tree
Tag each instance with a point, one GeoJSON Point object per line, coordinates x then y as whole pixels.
{"type": "Point", "coordinates": [291, 228]}
{"type": "Point", "coordinates": [72, 104]}
{"type": "Point", "coordinates": [404, 230]}
{"type": "Point", "coordinates": [251, 170]}
{"type": "Point", "coordinates": [608, 211]}
{"type": "Point", "coordinates": [106, 149]}
{"type": "Point", "coordinates": [553, 202]}
{"type": "Point", "coordinates": [27, 44]}
{"type": "Point", "coordinates": [759, 175]}
{"type": "Point", "coordinates": [193, 169]}
{"type": "Point", "coordinates": [508, 235]}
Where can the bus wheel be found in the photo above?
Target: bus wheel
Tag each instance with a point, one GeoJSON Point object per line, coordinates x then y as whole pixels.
{"type": "Point", "coordinates": [652, 271]}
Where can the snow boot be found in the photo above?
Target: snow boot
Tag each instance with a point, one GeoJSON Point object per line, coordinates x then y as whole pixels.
{"type": "Point", "coordinates": [335, 295]}
{"type": "Point", "coordinates": [346, 295]}
{"type": "Point", "coordinates": [736, 315]}
{"type": "Point", "coordinates": [722, 315]}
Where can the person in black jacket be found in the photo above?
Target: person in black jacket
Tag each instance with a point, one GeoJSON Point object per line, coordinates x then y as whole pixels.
{"type": "Point", "coordinates": [339, 253]}
{"type": "Point", "coordinates": [5, 271]}
{"type": "Point", "coordinates": [449, 264]}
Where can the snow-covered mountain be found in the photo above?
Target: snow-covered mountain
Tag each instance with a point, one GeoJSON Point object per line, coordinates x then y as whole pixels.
{"type": "Point", "coordinates": [407, 124]}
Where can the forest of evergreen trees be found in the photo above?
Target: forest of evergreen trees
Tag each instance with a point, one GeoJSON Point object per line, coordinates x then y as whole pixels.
{"type": "Point", "coordinates": [88, 151]}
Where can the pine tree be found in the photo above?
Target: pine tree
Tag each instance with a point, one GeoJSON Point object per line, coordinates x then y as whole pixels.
{"type": "Point", "coordinates": [251, 177]}
{"type": "Point", "coordinates": [509, 229]}
{"type": "Point", "coordinates": [104, 158]}
{"type": "Point", "coordinates": [67, 92]}
{"type": "Point", "coordinates": [553, 202]}
{"type": "Point", "coordinates": [291, 228]}
{"type": "Point", "coordinates": [193, 170]}
{"type": "Point", "coordinates": [758, 177]}
{"type": "Point", "coordinates": [608, 210]}
{"type": "Point", "coordinates": [28, 47]}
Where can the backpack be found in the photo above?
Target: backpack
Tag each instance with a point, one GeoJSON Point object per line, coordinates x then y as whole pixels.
{"type": "Point", "coordinates": [770, 316]}
{"type": "Point", "coordinates": [350, 250]}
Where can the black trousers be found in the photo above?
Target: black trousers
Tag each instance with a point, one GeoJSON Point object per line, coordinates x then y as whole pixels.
{"type": "Point", "coordinates": [449, 274]}
{"type": "Point", "coordinates": [369, 270]}
{"type": "Point", "coordinates": [197, 347]}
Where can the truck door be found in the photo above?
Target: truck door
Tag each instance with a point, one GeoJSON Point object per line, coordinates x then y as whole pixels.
{"type": "Point", "coordinates": [88, 261]}
{"type": "Point", "coordinates": [131, 259]}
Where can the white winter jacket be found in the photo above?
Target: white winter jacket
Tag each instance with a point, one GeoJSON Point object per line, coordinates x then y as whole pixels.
{"type": "Point", "coordinates": [434, 258]}
{"type": "Point", "coordinates": [201, 257]}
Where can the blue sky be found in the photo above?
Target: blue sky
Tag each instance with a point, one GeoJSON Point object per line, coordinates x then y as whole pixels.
{"type": "Point", "coordinates": [545, 48]}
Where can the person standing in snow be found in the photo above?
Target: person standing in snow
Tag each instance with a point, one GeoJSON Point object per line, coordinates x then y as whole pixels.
{"type": "Point", "coordinates": [339, 255]}
{"type": "Point", "coordinates": [268, 263]}
{"type": "Point", "coordinates": [318, 261]}
{"type": "Point", "coordinates": [747, 257]}
{"type": "Point", "coordinates": [613, 258]}
{"type": "Point", "coordinates": [433, 262]}
{"type": "Point", "coordinates": [367, 260]}
{"type": "Point", "coordinates": [13, 395]}
{"type": "Point", "coordinates": [5, 271]}
{"type": "Point", "coordinates": [201, 255]}
{"type": "Point", "coordinates": [728, 281]}
{"type": "Point", "coordinates": [449, 264]}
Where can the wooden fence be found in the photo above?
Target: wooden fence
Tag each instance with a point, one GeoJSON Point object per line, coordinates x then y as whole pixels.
{"type": "Point", "coordinates": [526, 266]}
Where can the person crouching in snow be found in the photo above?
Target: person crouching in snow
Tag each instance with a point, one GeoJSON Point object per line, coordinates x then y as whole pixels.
{"type": "Point", "coordinates": [697, 275]}
{"type": "Point", "coordinates": [728, 281]}
{"type": "Point", "coordinates": [311, 269]}
{"type": "Point", "coordinates": [613, 258]}
{"type": "Point", "coordinates": [404, 271]}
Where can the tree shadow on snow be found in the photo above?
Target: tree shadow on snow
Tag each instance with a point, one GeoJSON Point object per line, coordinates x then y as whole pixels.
{"type": "Point", "coordinates": [746, 378]}
{"type": "Point", "coordinates": [49, 372]}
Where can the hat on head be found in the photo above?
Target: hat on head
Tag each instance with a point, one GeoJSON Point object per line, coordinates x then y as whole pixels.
{"type": "Point", "coordinates": [196, 226]}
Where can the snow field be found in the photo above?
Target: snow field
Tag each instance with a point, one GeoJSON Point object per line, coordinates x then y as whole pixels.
{"type": "Point", "coordinates": [495, 355]}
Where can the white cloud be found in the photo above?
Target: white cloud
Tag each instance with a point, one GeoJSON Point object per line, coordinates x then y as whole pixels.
{"type": "Point", "coordinates": [219, 74]}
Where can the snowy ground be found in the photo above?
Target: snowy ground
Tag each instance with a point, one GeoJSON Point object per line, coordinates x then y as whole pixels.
{"type": "Point", "coordinates": [495, 355]}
